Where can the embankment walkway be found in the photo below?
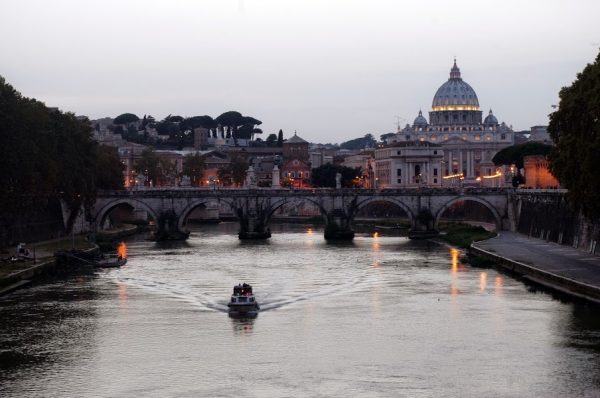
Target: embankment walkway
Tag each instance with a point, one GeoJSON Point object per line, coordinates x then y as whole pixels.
{"type": "Point", "coordinates": [558, 267]}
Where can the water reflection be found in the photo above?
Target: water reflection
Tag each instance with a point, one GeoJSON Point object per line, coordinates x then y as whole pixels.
{"type": "Point", "coordinates": [498, 285]}
{"type": "Point", "coordinates": [122, 289]}
{"type": "Point", "coordinates": [482, 281]}
{"type": "Point", "coordinates": [454, 258]}
{"type": "Point", "coordinates": [242, 324]}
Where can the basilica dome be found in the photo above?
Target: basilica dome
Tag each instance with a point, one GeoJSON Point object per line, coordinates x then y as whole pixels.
{"type": "Point", "coordinates": [490, 119]}
{"type": "Point", "coordinates": [420, 120]}
{"type": "Point", "coordinates": [455, 94]}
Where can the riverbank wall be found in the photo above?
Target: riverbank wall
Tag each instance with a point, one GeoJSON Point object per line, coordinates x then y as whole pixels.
{"type": "Point", "coordinates": [536, 275]}
{"type": "Point", "coordinates": [551, 218]}
{"type": "Point", "coordinates": [49, 267]}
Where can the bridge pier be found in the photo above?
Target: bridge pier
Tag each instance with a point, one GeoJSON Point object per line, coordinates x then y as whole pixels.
{"type": "Point", "coordinates": [254, 217]}
{"type": "Point", "coordinates": [168, 227]}
{"type": "Point", "coordinates": [338, 226]}
{"type": "Point", "coordinates": [424, 226]}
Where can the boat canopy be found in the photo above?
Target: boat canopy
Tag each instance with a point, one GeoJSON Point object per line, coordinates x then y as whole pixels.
{"type": "Point", "coordinates": [242, 290]}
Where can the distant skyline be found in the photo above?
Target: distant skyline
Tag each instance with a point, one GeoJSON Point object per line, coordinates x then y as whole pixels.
{"type": "Point", "coordinates": [330, 70]}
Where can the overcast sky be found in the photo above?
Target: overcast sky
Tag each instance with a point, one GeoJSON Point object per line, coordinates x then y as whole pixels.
{"type": "Point", "coordinates": [332, 70]}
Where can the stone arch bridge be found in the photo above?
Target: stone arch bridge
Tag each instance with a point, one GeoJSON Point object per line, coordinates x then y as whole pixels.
{"type": "Point", "coordinates": [255, 207]}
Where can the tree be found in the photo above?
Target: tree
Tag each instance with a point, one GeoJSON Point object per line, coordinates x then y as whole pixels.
{"type": "Point", "coordinates": [46, 155]}
{"type": "Point", "coordinates": [324, 176]}
{"type": "Point", "coordinates": [229, 121]}
{"type": "Point", "coordinates": [514, 154]}
{"type": "Point", "coordinates": [148, 165]}
{"type": "Point", "coordinates": [359, 143]}
{"type": "Point", "coordinates": [109, 169]}
{"type": "Point", "coordinates": [167, 171]}
{"type": "Point", "coordinates": [235, 172]}
{"type": "Point", "coordinates": [126, 118]}
{"type": "Point", "coordinates": [271, 140]}
{"type": "Point", "coordinates": [280, 138]}
{"type": "Point", "coordinates": [385, 136]}
{"type": "Point", "coordinates": [193, 167]}
{"type": "Point", "coordinates": [575, 130]}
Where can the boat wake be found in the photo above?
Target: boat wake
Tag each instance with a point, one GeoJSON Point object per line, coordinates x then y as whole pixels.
{"type": "Point", "coordinates": [269, 298]}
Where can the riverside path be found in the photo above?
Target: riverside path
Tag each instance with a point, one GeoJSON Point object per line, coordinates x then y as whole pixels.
{"type": "Point", "coordinates": [558, 267]}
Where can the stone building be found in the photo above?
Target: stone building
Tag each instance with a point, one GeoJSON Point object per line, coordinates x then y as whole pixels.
{"type": "Point", "coordinates": [537, 173]}
{"type": "Point", "coordinates": [455, 123]}
{"type": "Point", "coordinates": [408, 164]}
{"type": "Point", "coordinates": [296, 165]}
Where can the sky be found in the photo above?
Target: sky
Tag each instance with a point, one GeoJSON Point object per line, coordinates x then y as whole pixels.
{"type": "Point", "coordinates": [330, 70]}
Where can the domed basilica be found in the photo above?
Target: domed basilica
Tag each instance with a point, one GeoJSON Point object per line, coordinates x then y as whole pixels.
{"type": "Point", "coordinates": [455, 123]}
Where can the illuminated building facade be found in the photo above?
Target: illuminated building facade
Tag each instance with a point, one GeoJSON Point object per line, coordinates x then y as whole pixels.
{"type": "Point", "coordinates": [410, 164]}
{"type": "Point", "coordinates": [296, 165]}
{"type": "Point", "coordinates": [468, 142]}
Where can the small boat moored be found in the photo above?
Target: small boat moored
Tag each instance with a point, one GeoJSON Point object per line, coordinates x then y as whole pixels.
{"type": "Point", "coordinates": [243, 301]}
{"type": "Point", "coordinates": [106, 261]}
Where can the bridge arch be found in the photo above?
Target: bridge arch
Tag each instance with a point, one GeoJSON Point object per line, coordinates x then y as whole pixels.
{"type": "Point", "coordinates": [281, 201]}
{"type": "Point", "coordinates": [110, 205]}
{"type": "Point", "coordinates": [399, 203]}
{"type": "Point", "coordinates": [484, 202]}
{"type": "Point", "coordinates": [187, 211]}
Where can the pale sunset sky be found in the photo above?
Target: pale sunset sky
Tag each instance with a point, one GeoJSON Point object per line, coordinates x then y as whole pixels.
{"type": "Point", "coordinates": [331, 70]}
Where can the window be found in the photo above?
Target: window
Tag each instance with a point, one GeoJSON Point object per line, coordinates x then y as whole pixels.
{"type": "Point", "coordinates": [399, 171]}
{"type": "Point", "coordinates": [435, 180]}
{"type": "Point", "coordinates": [399, 180]}
{"type": "Point", "coordinates": [435, 173]}
{"type": "Point", "coordinates": [407, 138]}
{"type": "Point", "coordinates": [435, 152]}
{"type": "Point", "coordinates": [477, 137]}
{"type": "Point", "coordinates": [398, 152]}
{"type": "Point", "coordinates": [503, 136]}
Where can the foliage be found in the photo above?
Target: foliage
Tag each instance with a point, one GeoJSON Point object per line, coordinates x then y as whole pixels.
{"type": "Point", "coordinates": [148, 165]}
{"type": "Point", "coordinates": [462, 235]}
{"type": "Point", "coordinates": [359, 143]}
{"type": "Point", "coordinates": [514, 154]}
{"type": "Point", "coordinates": [271, 140]}
{"type": "Point", "coordinates": [235, 172]}
{"type": "Point", "coordinates": [46, 154]}
{"type": "Point", "coordinates": [109, 169]}
{"type": "Point", "coordinates": [193, 166]}
{"type": "Point", "coordinates": [193, 122]}
{"type": "Point", "coordinates": [174, 119]}
{"type": "Point", "coordinates": [518, 179]}
{"type": "Point", "coordinates": [324, 176]}
{"type": "Point", "coordinates": [383, 137]}
{"type": "Point", "coordinates": [575, 129]}
{"type": "Point", "coordinates": [280, 138]}
{"type": "Point", "coordinates": [126, 118]}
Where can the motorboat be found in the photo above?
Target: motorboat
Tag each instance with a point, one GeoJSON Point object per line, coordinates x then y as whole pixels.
{"type": "Point", "coordinates": [243, 301]}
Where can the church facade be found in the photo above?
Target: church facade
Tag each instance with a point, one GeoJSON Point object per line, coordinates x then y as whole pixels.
{"type": "Point", "coordinates": [468, 141]}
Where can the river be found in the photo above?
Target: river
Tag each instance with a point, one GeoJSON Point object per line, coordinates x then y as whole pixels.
{"type": "Point", "coordinates": [382, 316]}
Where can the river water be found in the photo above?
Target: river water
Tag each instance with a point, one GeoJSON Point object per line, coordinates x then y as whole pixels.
{"type": "Point", "coordinates": [380, 317]}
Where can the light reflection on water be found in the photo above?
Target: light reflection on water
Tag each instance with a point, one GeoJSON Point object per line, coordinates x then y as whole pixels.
{"type": "Point", "coordinates": [381, 316]}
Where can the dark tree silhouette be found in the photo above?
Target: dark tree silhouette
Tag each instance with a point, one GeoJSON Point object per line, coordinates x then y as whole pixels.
{"type": "Point", "coordinates": [575, 129]}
